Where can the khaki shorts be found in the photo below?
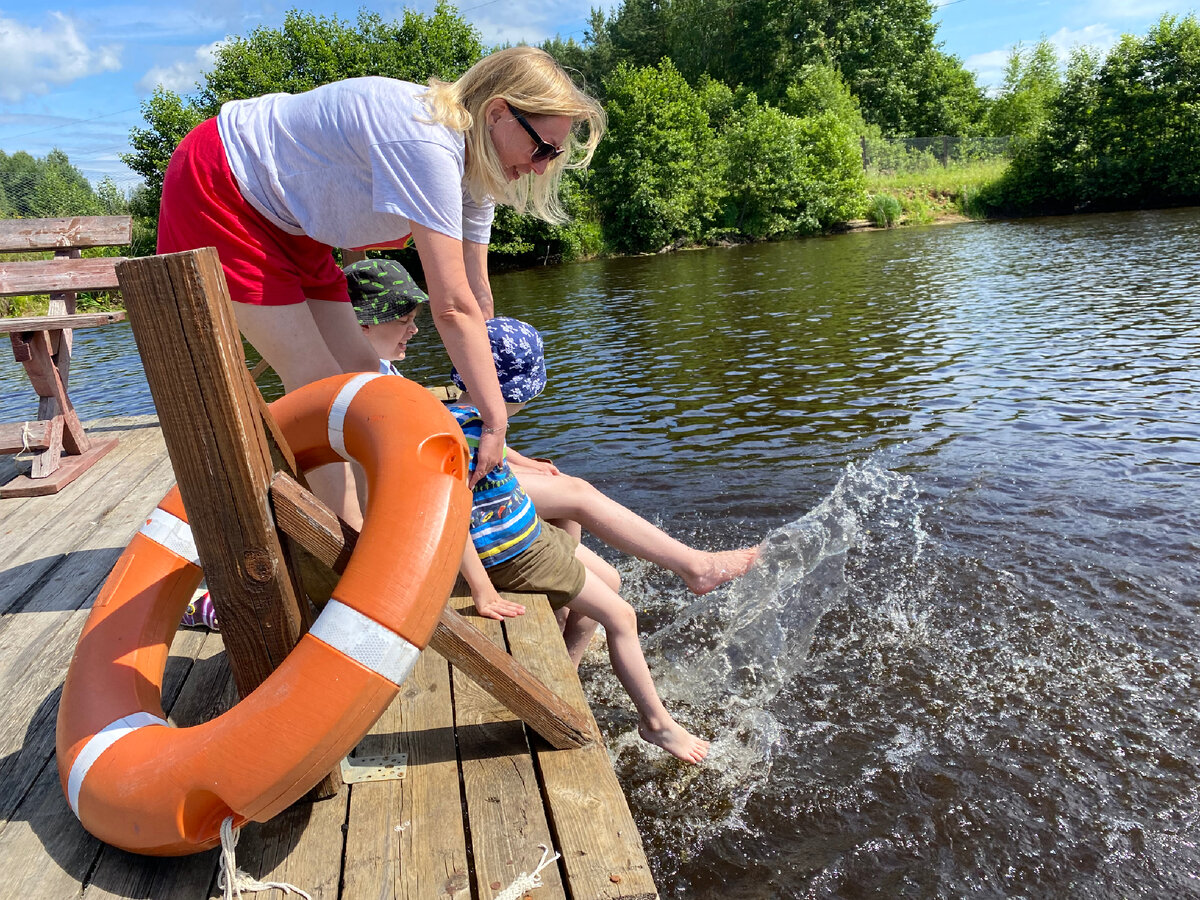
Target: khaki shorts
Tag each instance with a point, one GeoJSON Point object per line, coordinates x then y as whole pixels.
{"type": "Point", "coordinates": [548, 567]}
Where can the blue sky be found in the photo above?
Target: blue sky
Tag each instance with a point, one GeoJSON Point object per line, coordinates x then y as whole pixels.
{"type": "Point", "coordinates": [73, 75]}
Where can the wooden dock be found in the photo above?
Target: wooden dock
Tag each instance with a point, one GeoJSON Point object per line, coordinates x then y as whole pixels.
{"type": "Point", "coordinates": [480, 797]}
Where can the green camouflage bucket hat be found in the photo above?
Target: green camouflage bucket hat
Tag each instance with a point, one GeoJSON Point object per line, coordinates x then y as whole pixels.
{"type": "Point", "coordinates": [382, 291]}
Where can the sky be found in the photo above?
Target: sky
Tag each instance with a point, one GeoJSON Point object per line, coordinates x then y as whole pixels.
{"type": "Point", "coordinates": [73, 74]}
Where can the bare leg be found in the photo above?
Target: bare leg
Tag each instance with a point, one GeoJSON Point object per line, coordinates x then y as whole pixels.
{"type": "Point", "coordinates": [578, 630]}
{"type": "Point", "coordinates": [598, 601]}
{"type": "Point", "coordinates": [305, 342]}
{"type": "Point", "coordinates": [567, 497]}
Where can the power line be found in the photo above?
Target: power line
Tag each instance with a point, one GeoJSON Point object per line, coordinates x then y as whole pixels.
{"type": "Point", "coordinates": [71, 124]}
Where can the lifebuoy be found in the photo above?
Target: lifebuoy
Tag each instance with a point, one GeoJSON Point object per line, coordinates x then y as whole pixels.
{"type": "Point", "coordinates": [143, 785]}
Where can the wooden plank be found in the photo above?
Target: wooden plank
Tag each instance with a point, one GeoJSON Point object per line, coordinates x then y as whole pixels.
{"type": "Point", "coordinates": [405, 839]}
{"type": "Point", "coordinates": [50, 323]}
{"type": "Point", "coordinates": [45, 463]}
{"type": "Point", "coordinates": [21, 235]}
{"type": "Point", "coordinates": [183, 323]}
{"type": "Point", "coordinates": [26, 437]}
{"type": "Point", "coordinates": [602, 850]}
{"type": "Point", "coordinates": [46, 276]}
{"type": "Point", "coordinates": [68, 469]}
{"type": "Point", "coordinates": [301, 846]}
{"type": "Point", "coordinates": [504, 806]}
{"type": "Point", "coordinates": [331, 541]}
{"type": "Point", "coordinates": [36, 532]}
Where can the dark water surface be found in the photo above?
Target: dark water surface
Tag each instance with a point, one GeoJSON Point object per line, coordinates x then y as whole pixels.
{"type": "Point", "coordinates": [968, 665]}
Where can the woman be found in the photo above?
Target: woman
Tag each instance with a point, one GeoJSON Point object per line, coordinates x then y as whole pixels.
{"type": "Point", "coordinates": [275, 182]}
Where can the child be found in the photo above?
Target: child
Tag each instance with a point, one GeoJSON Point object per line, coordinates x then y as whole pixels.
{"type": "Point", "coordinates": [511, 549]}
{"type": "Point", "coordinates": [386, 301]}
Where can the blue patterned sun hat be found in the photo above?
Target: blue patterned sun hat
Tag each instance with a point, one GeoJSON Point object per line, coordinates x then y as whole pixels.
{"type": "Point", "coordinates": [518, 354]}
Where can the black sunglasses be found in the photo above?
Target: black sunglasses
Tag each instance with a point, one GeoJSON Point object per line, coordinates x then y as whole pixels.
{"type": "Point", "coordinates": [544, 151]}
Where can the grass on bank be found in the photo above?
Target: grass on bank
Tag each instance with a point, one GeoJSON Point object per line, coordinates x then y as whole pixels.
{"type": "Point", "coordinates": [932, 193]}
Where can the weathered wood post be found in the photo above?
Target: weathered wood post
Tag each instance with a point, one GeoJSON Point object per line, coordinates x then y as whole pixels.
{"type": "Point", "coordinates": [182, 319]}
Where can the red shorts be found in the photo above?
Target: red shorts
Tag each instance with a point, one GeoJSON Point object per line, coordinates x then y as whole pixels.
{"type": "Point", "coordinates": [202, 206]}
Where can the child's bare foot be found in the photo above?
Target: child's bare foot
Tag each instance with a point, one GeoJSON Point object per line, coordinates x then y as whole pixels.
{"type": "Point", "coordinates": [676, 740]}
{"type": "Point", "coordinates": [718, 568]}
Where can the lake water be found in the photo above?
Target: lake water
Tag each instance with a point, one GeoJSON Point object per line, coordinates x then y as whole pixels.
{"type": "Point", "coordinates": [968, 664]}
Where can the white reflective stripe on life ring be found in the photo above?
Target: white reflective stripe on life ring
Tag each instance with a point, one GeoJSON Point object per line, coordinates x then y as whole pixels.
{"type": "Point", "coordinates": [97, 744]}
{"type": "Point", "coordinates": [341, 404]}
{"type": "Point", "coordinates": [173, 533]}
{"type": "Point", "coordinates": [366, 641]}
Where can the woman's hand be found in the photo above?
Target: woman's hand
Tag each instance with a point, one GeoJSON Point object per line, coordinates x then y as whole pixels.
{"type": "Point", "coordinates": [489, 455]}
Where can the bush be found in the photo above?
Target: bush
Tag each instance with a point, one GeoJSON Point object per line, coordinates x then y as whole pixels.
{"type": "Point", "coordinates": [656, 178]}
{"type": "Point", "coordinates": [883, 210]}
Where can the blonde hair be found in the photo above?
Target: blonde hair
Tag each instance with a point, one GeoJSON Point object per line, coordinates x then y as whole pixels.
{"type": "Point", "coordinates": [534, 83]}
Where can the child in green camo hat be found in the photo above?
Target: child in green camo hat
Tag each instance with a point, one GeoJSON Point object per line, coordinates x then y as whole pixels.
{"type": "Point", "coordinates": [386, 301]}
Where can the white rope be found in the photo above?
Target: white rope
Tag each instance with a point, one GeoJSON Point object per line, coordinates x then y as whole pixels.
{"type": "Point", "coordinates": [233, 880]}
{"type": "Point", "coordinates": [526, 882]}
{"type": "Point", "coordinates": [26, 434]}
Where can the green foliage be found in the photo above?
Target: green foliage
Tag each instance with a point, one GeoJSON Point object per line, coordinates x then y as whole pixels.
{"type": "Point", "coordinates": [883, 50]}
{"type": "Point", "coordinates": [527, 240]}
{"type": "Point", "coordinates": [170, 119]}
{"type": "Point", "coordinates": [1121, 134]}
{"type": "Point", "coordinates": [655, 173]}
{"type": "Point", "coordinates": [787, 176]}
{"type": "Point", "coordinates": [1032, 82]}
{"type": "Point", "coordinates": [883, 210]}
{"type": "Point", "coordinates": [310, 50]}
{"type": "Point", "coordinates": [51, 187]}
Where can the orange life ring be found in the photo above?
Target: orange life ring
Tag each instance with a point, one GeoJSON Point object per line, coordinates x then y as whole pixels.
{"type": "Point", "coordinates": [142, 785]}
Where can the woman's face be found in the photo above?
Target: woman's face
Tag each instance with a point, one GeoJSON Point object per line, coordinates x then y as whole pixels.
{"type": "Point", "coordinates": [390, 340]}
{"type": "Point", "coordinates": [513, 144]}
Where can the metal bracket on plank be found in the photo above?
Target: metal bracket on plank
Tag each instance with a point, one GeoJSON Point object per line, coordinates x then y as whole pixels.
{"type": "Point", "coordinates": [356, 769]}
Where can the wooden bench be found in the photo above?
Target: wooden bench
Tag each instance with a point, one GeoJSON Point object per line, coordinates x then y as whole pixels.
{"type": "Point", "coordinates": [62, 449]}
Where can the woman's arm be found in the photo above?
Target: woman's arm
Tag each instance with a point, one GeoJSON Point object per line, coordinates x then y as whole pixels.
{"type": "Point", "coordinates": [475, 261]}
{"type": "Point", "coordinates": [521, 463]}
{"type": "Point", "coordinates": [459, 321]}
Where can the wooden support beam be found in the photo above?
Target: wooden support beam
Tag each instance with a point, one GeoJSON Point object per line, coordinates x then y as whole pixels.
{"type": "Point", "coordinates": [19, 324]}
{"type": "Point", "coordinates": [330, 540]}
{"type": "Point", "coordinates": [183, 323]}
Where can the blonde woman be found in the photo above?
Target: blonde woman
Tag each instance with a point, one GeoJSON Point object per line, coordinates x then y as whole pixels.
{"type": "Point", "coordinates": [275, 182]}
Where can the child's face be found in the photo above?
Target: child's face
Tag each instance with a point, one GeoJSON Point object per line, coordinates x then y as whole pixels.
{"type": "Point", "coordinates": [390, 339]}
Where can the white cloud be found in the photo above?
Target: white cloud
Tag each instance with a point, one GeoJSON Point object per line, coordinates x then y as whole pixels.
{"type": "Point", "coordinates": [988, 67]}
{"type": "Point", "coordinates": [182, 76]}
{"type": "Point", "coordinates": [33, 60]}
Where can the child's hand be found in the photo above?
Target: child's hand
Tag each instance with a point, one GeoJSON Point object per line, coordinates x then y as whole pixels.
{"type": "Point", "coordinates": [493, 606]}
{"type": "Point", "coordinates": [545, 466]}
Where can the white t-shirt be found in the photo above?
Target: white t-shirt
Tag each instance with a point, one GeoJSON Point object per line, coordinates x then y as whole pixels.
{"type": "Point", "coordinates": [350, 165]}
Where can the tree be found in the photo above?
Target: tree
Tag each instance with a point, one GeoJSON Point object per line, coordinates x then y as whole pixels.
{"type": "Point", "coordinates": [656, 175]}
{"type": "Point", "coordinates": [1032, 82]}
{"type": "Point", "coordinates": [786, 175]}
{"type": "Point", "coordinates": [1122, 133]}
